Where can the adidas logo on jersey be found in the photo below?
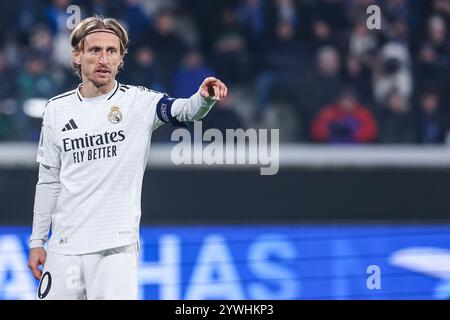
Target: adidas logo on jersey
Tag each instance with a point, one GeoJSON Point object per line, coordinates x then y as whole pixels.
{"type": "Point", "coordinates": [70, 126]}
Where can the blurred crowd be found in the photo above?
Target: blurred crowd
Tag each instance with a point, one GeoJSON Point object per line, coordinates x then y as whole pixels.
{"type": "Point", "coordinates": [312, 63]}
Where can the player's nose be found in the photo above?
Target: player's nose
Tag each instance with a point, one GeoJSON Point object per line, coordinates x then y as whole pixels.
{"type": "Point", "coordinates": [104, 58]}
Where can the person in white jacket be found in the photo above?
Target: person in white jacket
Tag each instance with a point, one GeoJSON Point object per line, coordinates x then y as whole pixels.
{"type": "Point", "coordinates": [92, 156]}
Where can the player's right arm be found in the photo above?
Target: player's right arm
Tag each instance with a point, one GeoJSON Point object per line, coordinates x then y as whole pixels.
{"type": "Point", "coordinates": [46, 195]}
{"type": "Point", "coordinates": [45, 200]}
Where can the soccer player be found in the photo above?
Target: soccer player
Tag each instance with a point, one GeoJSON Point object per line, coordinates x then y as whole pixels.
{"type": "Point", "coordinates": [92, 155]}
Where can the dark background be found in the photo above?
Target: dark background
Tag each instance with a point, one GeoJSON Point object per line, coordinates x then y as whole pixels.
{"type": "Point", "coordinates": [230, 196]}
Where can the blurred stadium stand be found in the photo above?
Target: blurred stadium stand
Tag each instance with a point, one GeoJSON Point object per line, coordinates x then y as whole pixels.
{"type": "Point", "coordinates": [286, 62]}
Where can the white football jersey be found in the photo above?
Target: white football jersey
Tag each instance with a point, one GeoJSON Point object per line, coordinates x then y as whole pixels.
{"type": "Point", "coordinates": [101, 145]}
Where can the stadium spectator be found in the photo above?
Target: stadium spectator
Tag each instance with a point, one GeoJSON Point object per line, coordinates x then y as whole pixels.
{"type": "Point", "coordinates": [56, 15]}
{"type": "Point", "coordinates": [319, 85]}
{"type": "Point", "coordinates": [230, 56]}
{"type": "Point", "coordinates": [251, 16]}
{"type": "Point", "coordinates": [358, 75]}
{"type": "Point", "coordinates": [8, 88]}
{"type": "Point", "coordinates": [431, 70]}
{"type": "Point", "coordinates": [361, 41]}
{"type": "Point", "coordinates": [168, 46]}
{"type": "Point", "coordinates": [146, 70]}
{"type": "Point", "coordinates": [396, 14]}
{"type": "Point", "coordinates": [8, 107]}
{"type": "Point", "coordinates": [188, 74]}
{"type": "Point", "coordinates": [437, 35]}
{"type": "Point", "coordinates": [329, 24]}
{"type": "Point", "coordinates": [346, 121]}
{"type": "Point", "coordinates": [433, 121]}
{"type": "Point", "coordinates": [395, 9]}
{"type": "Point", "coordinates": [283, 58]}
{"type": "Point", "coordinates": [136, 18]}
{"type": "Point", "coordinates": [321, 34]}
{"type": "Point", "coordinates": [41, 42]}
{"type": "Point", "coordinates": [207, 19]}
{"type": "Point", "coordinates": [397, 123]}
{"type": "Point", "coordinates": [393, 72]}
{"type": "Point", "coordinates": [442, 8]}
{"type": "Point", "coordinates": [35, 81]}
{"type": "Point", "coordinates": [282, 10]}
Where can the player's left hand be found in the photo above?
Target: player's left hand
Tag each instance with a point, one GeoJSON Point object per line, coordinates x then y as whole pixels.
{"type": "Point", "coordinates": [212, 87]}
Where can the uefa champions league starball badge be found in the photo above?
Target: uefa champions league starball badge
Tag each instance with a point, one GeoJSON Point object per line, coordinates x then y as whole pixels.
{"type": "Point", "coordinates": [115, 116]}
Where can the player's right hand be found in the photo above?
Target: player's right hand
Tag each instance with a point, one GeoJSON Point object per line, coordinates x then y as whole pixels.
{"type": "Point", "coordinates": [37, 257]}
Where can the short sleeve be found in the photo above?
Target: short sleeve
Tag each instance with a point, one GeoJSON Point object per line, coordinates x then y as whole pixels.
{"type": "Point", "coordinates": [49, 153]}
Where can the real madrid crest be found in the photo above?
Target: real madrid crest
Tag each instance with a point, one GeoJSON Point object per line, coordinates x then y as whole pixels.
{"type": "Point", "coordinates": [115, 116]}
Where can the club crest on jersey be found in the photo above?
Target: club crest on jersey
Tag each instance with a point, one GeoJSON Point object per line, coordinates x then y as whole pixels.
{"type": "Point", "coordinates": [115, 116]}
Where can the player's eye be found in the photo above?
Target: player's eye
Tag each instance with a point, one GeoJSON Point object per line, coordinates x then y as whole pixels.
{"type": "Point", "coordinates": [111, 50]}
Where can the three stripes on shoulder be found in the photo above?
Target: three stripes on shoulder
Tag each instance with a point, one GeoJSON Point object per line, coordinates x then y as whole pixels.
{"type": "Point", "coordinates": [71, 125]}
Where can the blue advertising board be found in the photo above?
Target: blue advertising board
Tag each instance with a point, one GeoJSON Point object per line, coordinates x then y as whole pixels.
{"type": "Point", "coordinates": [270, 262]}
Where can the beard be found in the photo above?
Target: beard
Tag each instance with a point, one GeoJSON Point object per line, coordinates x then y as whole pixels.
{"type": "Point", "coordinates": [100, 82]}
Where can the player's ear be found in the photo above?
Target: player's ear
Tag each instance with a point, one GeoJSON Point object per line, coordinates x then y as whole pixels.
{"type": "Point", "coordinates": [76, 56]}
{"type": "Point", "coordinates": [121, 62]}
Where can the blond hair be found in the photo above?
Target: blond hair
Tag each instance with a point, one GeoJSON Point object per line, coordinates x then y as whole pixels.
{"type": "Point", "coordinates": [92, 24]}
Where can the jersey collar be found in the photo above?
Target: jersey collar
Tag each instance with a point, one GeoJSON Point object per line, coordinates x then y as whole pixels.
{"type": "Point", "coordinates": [80, 97]}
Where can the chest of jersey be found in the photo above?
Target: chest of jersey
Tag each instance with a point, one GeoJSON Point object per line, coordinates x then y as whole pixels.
{"type": "Point", "coordinates": [91, 131]}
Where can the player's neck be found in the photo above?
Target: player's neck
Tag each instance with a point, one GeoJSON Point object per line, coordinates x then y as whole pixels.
{"type": "Point", "coordinates": [89, 90]}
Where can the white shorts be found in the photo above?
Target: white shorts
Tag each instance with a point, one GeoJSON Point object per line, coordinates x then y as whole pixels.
{"type": "Point", "coordinates": [110, 274]}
